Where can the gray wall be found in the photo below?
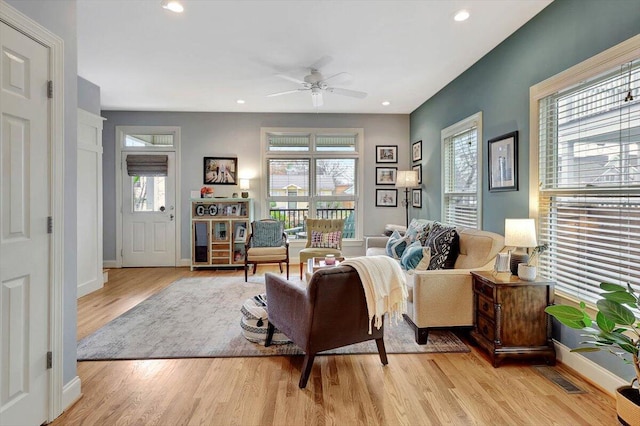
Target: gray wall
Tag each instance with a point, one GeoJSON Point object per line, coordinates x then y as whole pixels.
{"type": "Point", "coordinates": [562, 35]}
{"type": "Point", "coordinates": [59, 17]}
{"type": "Point", "coordinates": [88, 96]}
{"type": "Point", "coordinates": [238, 134]}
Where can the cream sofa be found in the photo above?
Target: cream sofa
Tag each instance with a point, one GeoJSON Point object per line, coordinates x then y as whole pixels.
{"type": "Point", "coordinates": [444, 298]}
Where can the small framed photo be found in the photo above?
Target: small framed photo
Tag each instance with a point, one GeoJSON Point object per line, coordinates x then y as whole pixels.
{"type": "Point", "coordinates": [416, 151]}
{"type": "Point", "coordinates": [386, 198]}
{"type": "Point", "coordinates": [418, 168]}
{"type": "Point", "coordinates": [240, 233]}
{"type": "Point", "coordinates": [503, 163]}
{"type": "Point", "coordinates": [220, 171]}
{"type": "Point", "coordinates": [386, 153]}
{"type": "Point", "coordinates": [386, 175]}
{"type": "Point", "coordinates": [416, 198]}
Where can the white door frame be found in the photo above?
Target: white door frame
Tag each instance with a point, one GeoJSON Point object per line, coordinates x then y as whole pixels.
{"type": "Point", "coordinates": [121, 131]}
{"type": "Point", "coordinates": [55, 44]}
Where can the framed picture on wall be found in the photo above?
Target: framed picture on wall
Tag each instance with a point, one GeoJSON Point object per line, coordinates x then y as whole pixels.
{"type": "Point", "coordinates": [220, 171]}
{"type": "Point", "coordinates": [386, 175]}
{"type": "Point", "coordinates": [416, 198]}
{"type": "Point", "coordinates": [503, 163]}
{"type": "Point", "coordinates": [386, 153]}
{"type": "Point", "coordinates": [416, 151]}
{"type": "Point", "coordinates": [418, 168]}
{"type": "Point", "coordinates": [386, 198]}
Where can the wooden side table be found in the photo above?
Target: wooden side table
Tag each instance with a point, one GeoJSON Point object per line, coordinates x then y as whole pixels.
{"type": "Point", "coordinates": [509, 317]}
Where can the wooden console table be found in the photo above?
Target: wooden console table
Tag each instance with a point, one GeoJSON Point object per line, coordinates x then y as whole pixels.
{"type": "Point", "coordinates": [509, 317]}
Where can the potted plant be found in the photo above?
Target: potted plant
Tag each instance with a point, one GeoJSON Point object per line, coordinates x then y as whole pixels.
{"type": "Point", "coordinates": [528, 271]}
{"type": "Point", "coordinates": [616, 330]}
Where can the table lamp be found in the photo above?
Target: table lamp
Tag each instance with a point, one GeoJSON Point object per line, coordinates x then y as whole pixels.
{"type": "Point", "coordinates": [406, 179]}
{"type": "Point", "coordinates": [519, 233]}
{"type": "Point", "coordinates": [244, 185]}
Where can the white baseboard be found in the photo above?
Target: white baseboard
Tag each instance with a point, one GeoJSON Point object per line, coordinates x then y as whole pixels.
{"type": "Point", "coordinates": [597, 374]}
{"type": "Point", "coordinates": [110, 264]}
{"type": "Point", "coordinates": [71, 392]}
{"type": "Point", "coordinates": [86, 288]}
{"type": "Point", "coordinates": [184, 262]}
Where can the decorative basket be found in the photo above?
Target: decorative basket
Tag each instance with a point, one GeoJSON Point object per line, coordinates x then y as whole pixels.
{"type": "Point", "coordinates": [627, 405]}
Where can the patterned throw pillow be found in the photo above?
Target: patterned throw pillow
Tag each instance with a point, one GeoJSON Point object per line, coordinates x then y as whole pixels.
{"type": "Point", "coordinates": [267, 234]}
{"type": "Point", "coordinates": [326, 239]}
{"type": "Point", "coordinates": [416, 257]}
{"type": "Point", "coordinates": [418, 230]}
{"type": "Point", "coordinates": [444, 243]}
{"type": "Point", "coordinates": [396, 245]}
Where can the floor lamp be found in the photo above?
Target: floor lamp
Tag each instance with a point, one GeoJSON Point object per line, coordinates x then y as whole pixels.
{"type": "Point", "coordinates": [407, 179]}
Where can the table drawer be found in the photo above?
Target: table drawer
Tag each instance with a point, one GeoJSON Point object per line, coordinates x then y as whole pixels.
{"type": "Point", "coordinates": [482, 288]}
{"type": "Point", "coordinates": [486, 306]}
{"type": "Point", "coordinates": [486, 328]}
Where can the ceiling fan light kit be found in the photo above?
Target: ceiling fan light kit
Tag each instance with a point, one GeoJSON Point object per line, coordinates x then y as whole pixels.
{"type": "Point", "coordinates": [316, 84]}
{"type": "Point", "coordinates": [172, 5]}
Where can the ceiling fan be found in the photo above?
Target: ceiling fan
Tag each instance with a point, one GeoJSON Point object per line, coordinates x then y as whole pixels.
{"type": "Point", "coordinates": [316, 84]}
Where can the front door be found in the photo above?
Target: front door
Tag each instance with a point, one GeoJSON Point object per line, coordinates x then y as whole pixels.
{"type": "Point", "coordinates": [148, 217]}
{"type": "Point", "coordinates": [24, 241]}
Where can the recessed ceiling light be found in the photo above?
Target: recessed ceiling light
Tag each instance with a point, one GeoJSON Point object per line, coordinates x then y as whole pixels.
{"type": "Point", "coordinates": [461, 15]}
{"type": "Point", "coordinates": [172, 5]}
{"type": "Point", "coordinates": [386, 103]}
{"type": "Point", "coordinates": [240, 101]}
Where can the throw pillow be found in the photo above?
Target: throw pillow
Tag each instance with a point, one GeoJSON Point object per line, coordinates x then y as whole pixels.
{"type": "Point", "coordinates": [444, 243]}
{"type": "Point", "coordinates": [423, 265]}
{"type": "Point", "coordinates": [396, 245]}
{"type": "Point", "coordinates": [267, 234]}
{"type": "Point", "coordinates": [326, 239]}
{"type": "Point", "coordinates": [418, 230]}
{"type": "Point", "coordinates": [413, 255]}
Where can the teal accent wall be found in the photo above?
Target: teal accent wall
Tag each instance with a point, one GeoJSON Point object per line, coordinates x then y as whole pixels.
{"type": "Point", "coordinates": [562, 35]}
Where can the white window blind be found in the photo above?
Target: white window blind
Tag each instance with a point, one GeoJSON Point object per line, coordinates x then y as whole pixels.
{"type": "Point", "coordinates": [589, 195]}
{"type": "Point", "coordinates": [460, 166]}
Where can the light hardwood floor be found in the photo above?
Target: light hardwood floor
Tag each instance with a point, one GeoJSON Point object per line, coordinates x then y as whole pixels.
{"type": "Point", "coordinates": [414, 389]}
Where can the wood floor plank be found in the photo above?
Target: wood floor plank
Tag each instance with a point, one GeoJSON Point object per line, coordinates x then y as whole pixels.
{"type": "Point", "coordinates": [413, 389]}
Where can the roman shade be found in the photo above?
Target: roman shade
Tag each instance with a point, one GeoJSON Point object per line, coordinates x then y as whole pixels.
{"type": "Point", "coordinates": [147, 165]}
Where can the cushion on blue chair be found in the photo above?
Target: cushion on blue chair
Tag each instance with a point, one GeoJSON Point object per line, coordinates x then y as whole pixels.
{"type": "Point", "coordinates": [267, 234]}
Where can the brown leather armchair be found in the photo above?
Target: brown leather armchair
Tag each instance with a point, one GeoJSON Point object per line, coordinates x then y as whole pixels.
{"type": "Point", "coordinates": [328, 313]}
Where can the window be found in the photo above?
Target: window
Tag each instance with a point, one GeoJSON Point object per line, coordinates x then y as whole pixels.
{"type": "Point", "coordinates": [312, 173]}
{"type": "Point", "coordinates": [588, 170]}
{"type": "Point", "coordinates": [461, 166]}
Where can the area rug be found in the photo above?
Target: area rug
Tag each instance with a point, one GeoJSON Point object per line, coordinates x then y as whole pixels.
{"type": "Point", "coordinates": [200, 317]}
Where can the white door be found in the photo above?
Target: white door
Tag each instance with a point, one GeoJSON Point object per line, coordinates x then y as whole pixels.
{"type": "Point", "coordinates": [24, 241]}
{"type": "Point", "coordinates": [148, 217]}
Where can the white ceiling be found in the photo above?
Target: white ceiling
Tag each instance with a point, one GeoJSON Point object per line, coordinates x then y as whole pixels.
{"type": "Point", "coordinates": [146, 58]}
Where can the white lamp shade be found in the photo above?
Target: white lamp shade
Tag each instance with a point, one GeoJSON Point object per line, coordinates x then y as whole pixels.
{"type": "Point", "coordinates": [244, 183]}
{"type": "Point", "coordinates": [407, 179]}
{"type": "Point", "coordinates": [520, 233]}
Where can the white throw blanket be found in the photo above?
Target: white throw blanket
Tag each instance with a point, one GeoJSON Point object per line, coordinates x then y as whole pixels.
{"type": "Point", "coordinates": [385, 286]}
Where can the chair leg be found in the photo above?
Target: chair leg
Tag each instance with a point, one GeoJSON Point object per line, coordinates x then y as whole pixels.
{"type": "Point", "coordinates": [255, 266]}
{"type": "Point", "coordinates": [381, 351]}
{"type": "Point", "coordinates": [300, 270]}
{"type": "Point", "coordinates": [270, 329]}
{"type": "Point", "coordinates": [246, 268]}
{"type": "Point", "coordinates": [306, 370]}
{"type": "Point", "coordinates": [287, 270]}
{"type": "Point", "coordinates": [280, 265]}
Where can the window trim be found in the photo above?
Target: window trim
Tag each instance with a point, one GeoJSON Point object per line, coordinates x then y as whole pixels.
{"type": "Point", "coordinates": [358, 154]}
{"type": "Point", "coordinates": [461, 126]}
{"type": "Point", "coordinates": [615, 56]}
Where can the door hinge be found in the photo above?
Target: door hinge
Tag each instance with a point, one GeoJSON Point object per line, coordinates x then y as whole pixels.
{"type": "Point", "coordinates": [49, 225]}
{"type": "Point", "coordinates": [50, 89]}
{"type": "Point", "coordinates": [121, 253]}
{"type": "Point", "coordinates": [49, 360]}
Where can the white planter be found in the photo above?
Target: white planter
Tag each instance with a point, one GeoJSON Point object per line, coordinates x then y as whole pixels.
{"type": "Point", "coordinates": [527, 273]}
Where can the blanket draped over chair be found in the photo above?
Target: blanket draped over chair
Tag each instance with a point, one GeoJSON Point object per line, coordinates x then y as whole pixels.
{"type": "Point", "coordinates": [384, 284]}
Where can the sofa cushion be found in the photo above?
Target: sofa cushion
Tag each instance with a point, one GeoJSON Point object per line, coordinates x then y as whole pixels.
{"type": "Point", "coordinates": [396, 245]}
{"type": "Point", "coordinates": [444, 244]}
{"type": "Point", "coordinates": [414, 257]}
{"type": "Point", "coordinates": [477, 248]}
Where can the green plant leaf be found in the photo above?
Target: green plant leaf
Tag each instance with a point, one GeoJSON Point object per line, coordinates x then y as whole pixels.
{"type": "Point", "coordinates": [612, 287]}
{"type": "Point", "coordinates": [615, 312]}
{"type": "Point", "coordinates": [604, 324]}
{"type": "Point", "coordinates": [620, 297]}
{"type": "Point", "coordinates": [585, 350]}
{"type": "Point", "coordinates": [567, 315]}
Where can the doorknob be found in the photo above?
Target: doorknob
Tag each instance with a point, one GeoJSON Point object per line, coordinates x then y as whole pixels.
{"type": "Point", "coordinates": [170, 217]}
{"type": "Point", "coordinates": [162, 209]}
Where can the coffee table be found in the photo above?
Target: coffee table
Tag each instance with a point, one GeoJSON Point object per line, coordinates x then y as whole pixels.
{"type": "Point", "coordinates": [316, 263]}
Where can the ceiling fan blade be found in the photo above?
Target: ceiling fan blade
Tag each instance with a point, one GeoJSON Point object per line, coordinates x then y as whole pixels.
{"type": "Point", "coordinates": [341, 78]}
{"type": "Point", "coordinates": [320, 63]}
{"type": "Point", "coordinates": [295, 80]}
{"type": "Point", "coordinates": [347, 92]}
{"type": "Point", "coordinates": [286, 92]}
